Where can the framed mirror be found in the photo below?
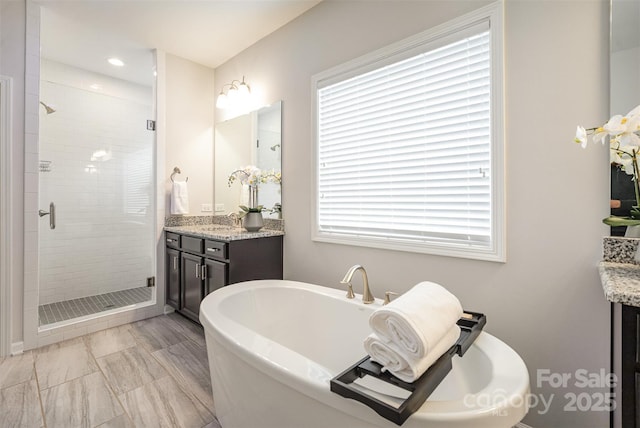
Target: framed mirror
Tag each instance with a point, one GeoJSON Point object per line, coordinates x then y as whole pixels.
{"type": "Point", "coordinates": [251, 139]}
{"type": "Point", "coordinates": [624, 91]}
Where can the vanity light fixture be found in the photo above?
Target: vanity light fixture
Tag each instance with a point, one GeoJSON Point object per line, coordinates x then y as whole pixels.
{"type": "Point", "coordinates": [115, 62]}
{"type": "Point", "coordinates": [238, 92]}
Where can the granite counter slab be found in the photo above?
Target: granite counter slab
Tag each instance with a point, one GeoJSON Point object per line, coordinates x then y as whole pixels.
{"type": "Point", "coordinates": [221, 232]}
{"type": "Point", "coordinates": [621, 282]}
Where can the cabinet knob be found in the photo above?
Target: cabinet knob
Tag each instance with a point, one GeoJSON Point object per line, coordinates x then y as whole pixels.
{"type": "Point", "coordinates": [197, 270]}
{"type": "Point", "coordinates": [213, 250]}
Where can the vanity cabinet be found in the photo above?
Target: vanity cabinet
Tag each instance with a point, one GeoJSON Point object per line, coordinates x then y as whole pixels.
{"type": "Point", "coordinates": [173, 277]}
{"type": "Point", "coordinates": [173, 269]}
{"type": "Point", "coordinates": [630, 370]}
{"type": "Point", "coordinates": [197, 266]}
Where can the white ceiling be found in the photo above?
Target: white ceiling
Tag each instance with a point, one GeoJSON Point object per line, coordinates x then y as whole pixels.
{"type": "Point", "coordinates": [85, 33]}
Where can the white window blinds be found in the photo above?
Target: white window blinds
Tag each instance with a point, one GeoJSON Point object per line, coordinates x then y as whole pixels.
{"type": "Point", "coordinates": [404, 150]}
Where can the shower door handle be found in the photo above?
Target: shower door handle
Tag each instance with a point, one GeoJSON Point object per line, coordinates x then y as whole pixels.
{"type": "Point", "coordinates": [52, 215]}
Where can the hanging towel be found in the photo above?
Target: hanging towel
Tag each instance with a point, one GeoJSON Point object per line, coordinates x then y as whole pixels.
{"type": "Point", "coordinates": [403, 366]}
{"type": "Point", "coordinates": [416, 321]}
{"type": "Point", "coordinates": [179, 198]}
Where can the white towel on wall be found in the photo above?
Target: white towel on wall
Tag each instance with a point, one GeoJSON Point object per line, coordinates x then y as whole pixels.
{"type": "Point", "coordinates": [179, 198]}
{"type": "Point", "coordinates": [416, 321]}
{"type": "Point", "coordinates": [403, 366]}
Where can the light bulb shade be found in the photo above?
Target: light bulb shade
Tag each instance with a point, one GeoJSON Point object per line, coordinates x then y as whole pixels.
{"type": "Point", "coordinates": [232, 94]}
{"type": "Point", "coordinates": [243, 90]}
{"type": "Point", "coordinates": [222, 101]}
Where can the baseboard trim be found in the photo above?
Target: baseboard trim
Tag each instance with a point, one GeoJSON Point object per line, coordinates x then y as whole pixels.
{"type": "Point", "coordinates": [17, 348]}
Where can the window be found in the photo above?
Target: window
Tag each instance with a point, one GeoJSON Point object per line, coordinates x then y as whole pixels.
{"type": "Point", "coordinates": [409, 151]}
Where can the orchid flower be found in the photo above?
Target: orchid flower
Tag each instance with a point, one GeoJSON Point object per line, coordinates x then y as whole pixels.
{"type": "Point", "coordinates": [252, 176]}
{"type": "Point", "coordinates": [581, 136]}
{"type": "Point", "coordinates": [624, 145]}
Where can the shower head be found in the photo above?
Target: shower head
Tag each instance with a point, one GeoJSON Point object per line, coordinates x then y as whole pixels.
{"type": "Point", "coordinates": [48, 109]}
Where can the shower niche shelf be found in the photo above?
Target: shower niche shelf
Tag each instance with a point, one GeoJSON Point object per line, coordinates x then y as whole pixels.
{"type": "Point", "coordinates": [470, 327]}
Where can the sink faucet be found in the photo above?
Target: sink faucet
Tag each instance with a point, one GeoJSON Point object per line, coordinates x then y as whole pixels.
{"type": "Point", "coordinates": [235, 218]}
{"type": "Point", "coordinates": [367, 297]}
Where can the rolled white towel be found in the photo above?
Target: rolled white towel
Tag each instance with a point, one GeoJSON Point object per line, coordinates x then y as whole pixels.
{"type": "Point", "coordinates": [417, 320]}
{"type": "Point", "coordinates": [179, 198]}
{"type": "Point", "coordinates": [403, 366]}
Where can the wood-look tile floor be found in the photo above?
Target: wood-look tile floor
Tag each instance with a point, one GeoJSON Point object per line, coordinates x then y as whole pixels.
{"type": "Point", "coordinates": [151, 373]}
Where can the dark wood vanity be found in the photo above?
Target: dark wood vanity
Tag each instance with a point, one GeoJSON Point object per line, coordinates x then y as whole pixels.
{"type": "Point", "coordinates": [198, 265]}
{"type": "Point", "coordinates": [630, 367]}
{"type": "Point", "coordinates": [620, 276]}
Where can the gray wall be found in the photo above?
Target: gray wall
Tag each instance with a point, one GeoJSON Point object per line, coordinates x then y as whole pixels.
{"type": "Point", "coordinates": [546, 302]}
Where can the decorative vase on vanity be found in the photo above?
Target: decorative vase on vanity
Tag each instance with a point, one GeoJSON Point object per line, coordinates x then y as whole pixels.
{"type": "Point", "coordinates": [632, 231]}
{"type": "Point", "coordinates": [253, 221]}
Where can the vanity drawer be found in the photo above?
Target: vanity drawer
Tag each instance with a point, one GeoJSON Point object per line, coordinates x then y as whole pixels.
{"type": "Point", "coordinates": [215, 250]}
{"type": "Point", "coordinates": [173, 240]}
{"type": "Point", "coordinates": [193, 245]}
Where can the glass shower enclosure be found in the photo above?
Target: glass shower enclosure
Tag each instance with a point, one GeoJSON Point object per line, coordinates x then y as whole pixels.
{"type": "Point", "coordinates": [96, 193]}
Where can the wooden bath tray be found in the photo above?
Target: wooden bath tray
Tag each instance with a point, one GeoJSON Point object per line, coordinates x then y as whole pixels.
{"type": "Point", "coordinates": [397, 410]}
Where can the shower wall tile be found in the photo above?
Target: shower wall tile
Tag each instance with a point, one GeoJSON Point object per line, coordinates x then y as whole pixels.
{"type": "Point", "coordinates": [31, 203]}
{"type": "Point", "coordinates": [101, 180]}
{"type": "Point", "coordinates": [31, 221]}
{"type": "Point", "coordinates": [31, 300]}
{"type": "Point", "coordinates": [31, 162]}
{"type": "Point", "coordinates": [32, 83]}
{"type": "Point", "coordinates": [31, 182]}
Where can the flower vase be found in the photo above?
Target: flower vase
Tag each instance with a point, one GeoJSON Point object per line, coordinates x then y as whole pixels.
{"type": "Point", "coordinates": [253, 196]}
{"type": "Point", "coordinates": [253, 221]}
{"type": "Point", "coordinates": [632, 232]}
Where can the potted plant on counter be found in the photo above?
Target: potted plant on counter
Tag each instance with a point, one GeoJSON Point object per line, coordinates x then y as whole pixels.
{"type": "Point", "coordinates": [252, 176]}
{"type": "Point", "coordinates": [624, 147]}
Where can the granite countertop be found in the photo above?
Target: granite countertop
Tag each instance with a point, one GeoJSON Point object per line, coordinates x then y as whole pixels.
{"type": "Point", "coordinates": [621, 282]}
{"type": "Point", "coordinates": [620, 270]}
{"type": "Point", "coordinates": [221, 232]}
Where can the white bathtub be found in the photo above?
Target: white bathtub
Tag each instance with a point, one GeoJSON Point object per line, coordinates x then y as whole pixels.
{"type": "Point", "coordinates": [273, 347]}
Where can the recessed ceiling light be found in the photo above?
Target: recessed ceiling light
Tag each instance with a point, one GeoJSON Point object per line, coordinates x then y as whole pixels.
{"type": "Point", "coordinates": [116, 61]}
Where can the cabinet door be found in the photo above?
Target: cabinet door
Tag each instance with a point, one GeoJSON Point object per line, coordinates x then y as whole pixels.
{"type": "Point", "coordinates": [630, 367]}
{"type": "Point", "coordinates": [173, 278]}
{"type": "Point", "coordinates": [192, 286]}
{"type": "Point", "coordinates": [215, 275]}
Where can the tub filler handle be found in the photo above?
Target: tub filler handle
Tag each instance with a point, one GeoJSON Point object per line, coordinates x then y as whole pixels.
{"type": "Point", "coordinates": [387, 296]}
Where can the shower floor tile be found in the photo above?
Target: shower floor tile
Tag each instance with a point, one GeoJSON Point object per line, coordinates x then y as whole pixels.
{"type": "Point", "coordinates": [68, 309]}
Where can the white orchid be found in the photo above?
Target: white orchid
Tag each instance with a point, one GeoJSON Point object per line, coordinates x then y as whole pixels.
{"type": "Point", "coordinates": [581, 136]}
{"type": "Point", "coordinates": [624, 160]}
{"type": "Point", "coordinates": [624, 144]}
{"type": "Point", "coordinates": [249, 175]}
{"type": "Point", "coordinates": [623, 131]}
{"type": "Point", "coordinates": [626, 130]}
{"type": "Point", "coordinates": [252, 175]}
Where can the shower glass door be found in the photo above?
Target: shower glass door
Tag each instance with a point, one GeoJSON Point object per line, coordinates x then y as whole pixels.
{"type": "Point", "coordinates": [96, 192]}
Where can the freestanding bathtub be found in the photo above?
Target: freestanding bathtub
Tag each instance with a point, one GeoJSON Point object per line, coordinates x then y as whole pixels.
{"type": "Point", "coordinates": [274, 345]}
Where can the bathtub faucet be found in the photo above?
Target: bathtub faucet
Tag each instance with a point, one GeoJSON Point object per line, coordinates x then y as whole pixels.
{"type": "Point", "coordinates": [367, 297]}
